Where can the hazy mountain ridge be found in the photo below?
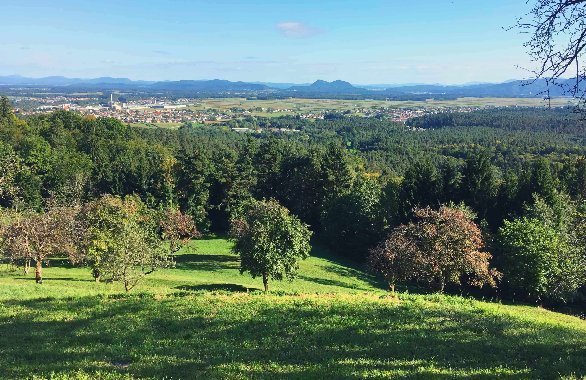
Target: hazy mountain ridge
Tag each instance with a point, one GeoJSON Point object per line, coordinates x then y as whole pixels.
{"type": "Point", "coordinates": [511, 88]}
{"type": "Point", "coordinates": [209, 85]}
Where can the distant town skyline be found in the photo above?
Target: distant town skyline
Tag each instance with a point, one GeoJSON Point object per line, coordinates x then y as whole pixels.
{"type": "Point", "coordinates": [363, 42]}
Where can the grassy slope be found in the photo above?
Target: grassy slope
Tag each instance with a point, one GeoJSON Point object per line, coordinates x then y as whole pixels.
{"type": "Point", "coordinates": [334, 322]}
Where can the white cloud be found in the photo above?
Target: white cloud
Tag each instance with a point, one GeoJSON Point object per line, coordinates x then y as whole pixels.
{"type": "Point", "coordinates": [295, 29]}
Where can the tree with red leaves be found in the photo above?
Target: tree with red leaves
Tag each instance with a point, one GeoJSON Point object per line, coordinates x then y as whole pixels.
{"type": "Point", "coordinates": [439, 247]}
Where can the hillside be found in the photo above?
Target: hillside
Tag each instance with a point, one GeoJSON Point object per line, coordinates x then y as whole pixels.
{"type": "Point", "coordinates": [205, 320]}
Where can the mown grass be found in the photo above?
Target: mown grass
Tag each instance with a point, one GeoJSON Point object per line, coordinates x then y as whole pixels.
{"type": "Point", "coordinates": [203, 265]}
{"type": "Point", "coordinates": [205, 320]}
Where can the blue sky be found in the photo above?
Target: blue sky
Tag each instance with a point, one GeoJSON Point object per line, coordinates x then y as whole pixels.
{"type": "Point", "coordinates": [364, 42]}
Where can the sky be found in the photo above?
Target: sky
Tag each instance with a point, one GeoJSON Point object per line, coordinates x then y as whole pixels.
{"type": "Point", "coordinates": [361, 41]}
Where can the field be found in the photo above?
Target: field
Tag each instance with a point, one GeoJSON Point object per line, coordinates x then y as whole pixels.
{"type": "Point", "coordinates": [205, 320]}
{"type": "Point", "coordinates": [156, 125]}
{"type": "Point", "coordinates": [292, 106]}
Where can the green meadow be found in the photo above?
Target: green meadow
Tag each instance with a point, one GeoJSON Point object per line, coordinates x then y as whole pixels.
{"type": "Point", "coordinates": [203, 319]}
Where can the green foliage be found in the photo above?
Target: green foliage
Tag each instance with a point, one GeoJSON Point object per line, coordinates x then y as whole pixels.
{"type": "Point", "coordinates": [542, 182]}
{"type": "Point", "coordinates": [10, 167]}
{"type": "Point", "coordinates": [566, 218]}
{"type": "Point", "coordinates": [533, 259]}
{"type": "Point", "coordinates": [301, 189]}
{"type": "Point", "coordinates": [5, 109]}
{"type": "Point", "coordinates": [192, 187]}
{"type": "Point", "coordinates": [420, 188]}
{"type": "Point", "coordinates": [355, 221]}
{"type": "Point", "coordinates": [494, 160]}
{"type": "Point", "coordinates": [270, 241]}
{"type": "Point", "coordinates": [480, 183]}
{"type": "Point", "coordinates": [122, 242]}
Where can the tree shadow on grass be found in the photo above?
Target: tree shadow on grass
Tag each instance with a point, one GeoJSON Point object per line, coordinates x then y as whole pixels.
{"type": "Point", "coordinates": [344, 266]}
{"type": "Point", "coordinates": [49, 279]}
{"type": "Point", "coordinates": [345, 271]}
{"type": "Point", "coordinates": [216, 287]}
{"type": "Point", "coordinates": [252, 337]}
{"type": "Point", "coordinates": [206, 262]}
{"type": "Point", "coordinates": [328, 282]}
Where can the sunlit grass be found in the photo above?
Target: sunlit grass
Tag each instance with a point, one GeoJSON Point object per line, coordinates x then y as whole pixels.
{"type": "Point", "coordinates": [202, 265]}
{"type": "Point", "coordinates": [204, 319]}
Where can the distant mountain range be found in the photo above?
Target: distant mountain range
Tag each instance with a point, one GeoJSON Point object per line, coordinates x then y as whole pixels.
{"type": "Point", "coordinates": [64, 81]}
{"type": "Point", "coordinates": [208, 85]}
{"type": "Point", "coordinates": [338, 88]}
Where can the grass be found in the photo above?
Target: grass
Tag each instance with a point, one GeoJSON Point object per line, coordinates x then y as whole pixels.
{"type": "Point", "coordinates": [203, 265]}
{"type": "Point", "coordinates": [205, 320]}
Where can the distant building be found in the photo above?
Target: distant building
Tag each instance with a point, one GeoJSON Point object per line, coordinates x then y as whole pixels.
{"type": "Point", "coordinates": [242, 130]}
{"type": "Point", "coordinates": [168, 106]}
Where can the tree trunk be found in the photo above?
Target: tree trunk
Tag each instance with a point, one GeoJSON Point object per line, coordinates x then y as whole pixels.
{"type": "Point", "coordinates": [392, 280]}
{"type": "Point", "coordinates": [125, 280]}
{"type": "Point", "coordinates": [39, 272]}
{"type": "Point", "coordinates": [265, 281]}
{"type": "Point", "coordinates": [96, 274]}
{"type": "Point", "coordinates": [442, 284]}
{"type": "Point", "coordinates": [27, 266]}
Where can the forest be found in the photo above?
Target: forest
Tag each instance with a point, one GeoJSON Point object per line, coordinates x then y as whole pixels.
{"type": "Point", "coordinates": [517, 177]}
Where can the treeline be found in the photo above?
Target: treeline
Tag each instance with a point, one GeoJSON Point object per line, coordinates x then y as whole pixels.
{"type": "Point", "coordinates": [391, 147]}
{"type": "Point", "coordinates": [562, 119]}
{"type": "Point", "coordinates": [352, 180]}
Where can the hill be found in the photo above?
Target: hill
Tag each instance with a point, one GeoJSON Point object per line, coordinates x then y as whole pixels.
{"type": "Point", "coordinates": [64, 81]}
{"type": "Point", "coordinates": [515, 88]}
{"type": "Point", "coordinates": [205, 320]}
{"type": "Point", "coordinates": [215, 85]}
{"type": "Point", "coordinates": [337, 87]}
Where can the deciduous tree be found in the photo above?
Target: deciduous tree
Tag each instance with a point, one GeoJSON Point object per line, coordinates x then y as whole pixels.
{"type": "Point", "coordinates": [557, 44]}
{"type": "Point", "coordinates": [270, 241]}
{"type": "Point", "coordinates": [439, 247]}
{"type": "Point", "coordinates": [177, 229]}
{"type": "Point", "coordinates": [10, 167]}
{"type": "Point", "coordinates": [544, 253]}
{"type": "Point", "coordinates": [39, 236]}
{"type": "Point", "coordinates": [529, 255]}
{"type": "Point", "coordinates": [122, 240]}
